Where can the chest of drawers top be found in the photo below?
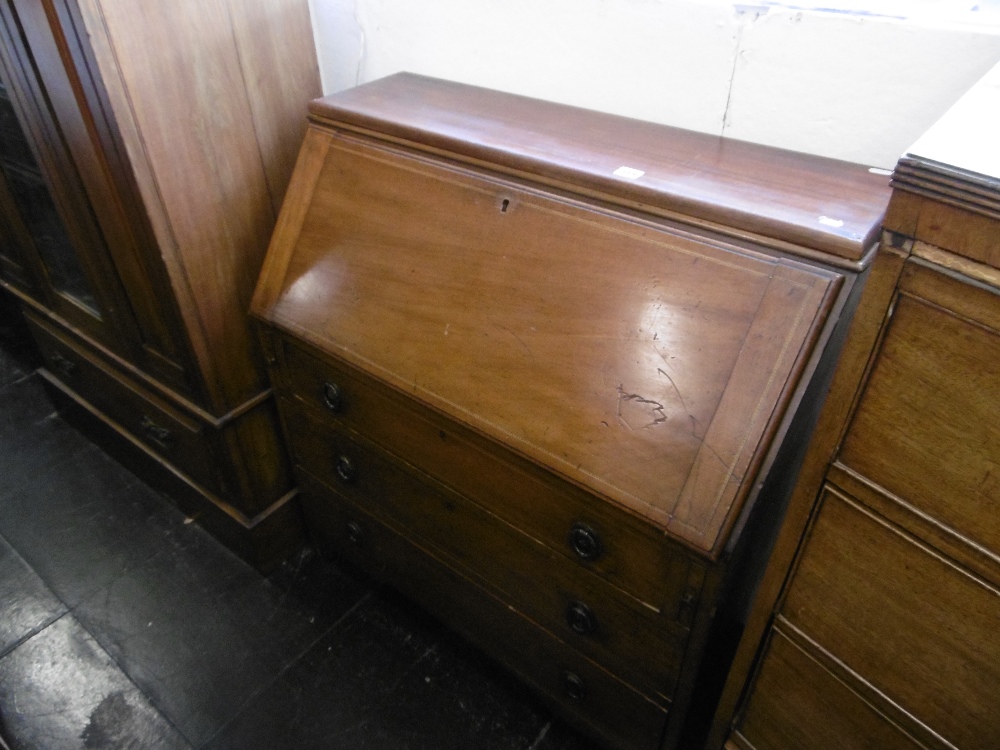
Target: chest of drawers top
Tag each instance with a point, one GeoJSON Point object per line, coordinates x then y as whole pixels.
{"type": "Point", "coordinates": [628, 305]}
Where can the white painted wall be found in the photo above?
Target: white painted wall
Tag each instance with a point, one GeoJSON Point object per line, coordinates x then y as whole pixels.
{"type": "Point", "coordinates": [855, 88]}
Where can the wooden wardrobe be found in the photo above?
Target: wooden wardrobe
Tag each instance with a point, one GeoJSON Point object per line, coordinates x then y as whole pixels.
{"type": "Point", "coordinates": [876, 624]}
{"type": "Point", "coordinates": [146, 148]}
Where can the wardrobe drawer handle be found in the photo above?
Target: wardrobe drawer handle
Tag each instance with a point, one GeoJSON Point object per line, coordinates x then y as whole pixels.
{"type": "Point", "coordinates": [156, 434]}
{"type": "Point", "coordinates": [66, 366]}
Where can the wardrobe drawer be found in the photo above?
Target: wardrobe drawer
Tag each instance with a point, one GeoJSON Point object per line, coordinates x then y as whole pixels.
{"type": "Point", "coordinates": [798, 703]}
{"type": "Point", "coordinates": [179, 440]}
{"type": "Point", "coordinates": [927, 428]}
{"type": "Point", "coordinates": [601, 621]}
{"type": "Point", "coordinates": [918, 628]}
{"type": "Point", "coordinates": [583, 690]}
{"type": "Point", "coordinates": [589, 531]}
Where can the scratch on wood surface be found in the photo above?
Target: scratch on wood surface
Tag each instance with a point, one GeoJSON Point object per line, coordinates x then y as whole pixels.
{"type": "Point", "coordinates": [695, 424]}
{"type": "Point", "coordinates": [519, 339]}
{"type": "Point", "coordinates": [657, 412]}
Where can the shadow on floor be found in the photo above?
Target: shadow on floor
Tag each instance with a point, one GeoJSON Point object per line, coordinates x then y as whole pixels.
{"type": "Point", "coordinates": [123, 626]}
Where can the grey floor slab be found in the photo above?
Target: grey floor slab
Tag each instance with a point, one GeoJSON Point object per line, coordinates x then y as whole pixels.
{"type": "Point", "coordinates": [26, 603]}
{"type": "Point", "coordinates": [60, 691]}
{"type": "Point", "coordinates": [201, 633]}
{"type": "Point", "coordinates": [390, 678]}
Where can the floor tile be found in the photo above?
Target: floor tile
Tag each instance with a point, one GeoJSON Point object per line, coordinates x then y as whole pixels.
{"type": "Point", "coordinates": [85, 522]}
{"type": "Point", "coordinates": [390, 678]}
{"type": "Point", "coordinates": [317, 586]}
{"type": "Point", "coordinates": [33, 437]}
{"type": "Point", "coordinates": [202, 633]}
{"type": "Point", "coordinates": [10, 370]}
{"type": "Point", "coordinates": [26, 604]}
{"type": "Point", "coordinates": [60, 691]}
{"type": "Point", "coordinates": [17, 359]}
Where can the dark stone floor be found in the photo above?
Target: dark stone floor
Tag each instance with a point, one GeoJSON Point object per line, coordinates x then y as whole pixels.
{"type": "Point", "coordinates": [124, 627]}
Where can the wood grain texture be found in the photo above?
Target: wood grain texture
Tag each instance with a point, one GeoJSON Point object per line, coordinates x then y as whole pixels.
{"type": "Point", "coordinates": [918, 627]}
{"type": "Point", "coordinates": [969, 268]}
{"type": "Point", "coordinates": [274, 43]}
{"type": "Point", "coordinates": [521, 342]}
{"type": "Point", "coordinates": [163, 348]}
{"type": "Point", "coordinates": [205, 175]}
{"type": "Point", "coordinates": [618, 716]}
{"type": "Point", "coordinates": [173, 436]}
{"type": "Point", "coordinates": [960, 231]}
{"type": "Point", "coordinates": [309, 163]}
{"type": "Point", "coordinates": [641, 646]}
{"type": "Point", "coordinates": [572, 335]}
{"type": "Point", "coordinates": [777, 194]}
{"type": "Point", "coordinates": [166, 135]}
{"type": "Point", "coordinates": [635, 557]}
{"type": "Point", "coordinates": [798, 704]}
{"type": "Point", "coordinates": [927, 425]}
{"type": "Point", "coordinates": [896, 589]}
{"type": "Point", "coordinates": [868, 321]}
{"type": "Point", "coordinates": [904, 514]}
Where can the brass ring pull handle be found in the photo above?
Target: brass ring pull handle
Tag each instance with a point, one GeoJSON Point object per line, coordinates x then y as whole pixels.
{"type": "Point", "coordinates": [333, 398]}
{"type": "Point", "coordinates": [355, 532]}
{"type": "Point", "coordinates": [574, 686]}
{"type": "Point", "coordinates": [585, 542]}
{"type": "Point", "coordinates": [581, 618]}
{"type": "Point", "coordinates": [346, 470]}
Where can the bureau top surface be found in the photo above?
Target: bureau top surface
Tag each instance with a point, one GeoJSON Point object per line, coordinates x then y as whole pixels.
{"type": "Point", "coordinates": [647, 363]}
{"type": "Point", "coordinates": [821, 204]}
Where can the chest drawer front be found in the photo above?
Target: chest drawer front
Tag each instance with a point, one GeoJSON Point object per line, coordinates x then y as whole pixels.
{"type": "Point", "coordinates": [581, 609]}
{"type": "Point", "coordinates": [175, 438]}
{"type": "Point", "coordinates": [624, 550]}
{"type": "Point", "coordinates": [928, 425]}
{"type": "Point", "coordinates": [797, 703]}
{"type": "Point", "coordinates": [588, 694]}
{"type": "Point", "coordinates": [919, 629]}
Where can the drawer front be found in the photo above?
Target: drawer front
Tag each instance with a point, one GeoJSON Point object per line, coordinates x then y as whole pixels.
{"type": "Point", "coordinates": [797, 703]}
{"type": "Point", "coordinates": [587, 694]}
{"type": "Point", "coordinates": [175, 438]}
{"type": "Point", "coordinates": [592, 533]}
{"type": "Point", "coordinates": [928, 425]}
{"type": "Point", "coordinates": [916, 627]}
{"type": "Point", "coordinates": [579, 608]}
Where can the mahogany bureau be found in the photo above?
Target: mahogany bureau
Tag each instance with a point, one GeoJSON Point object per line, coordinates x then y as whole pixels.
{"type": "Point", "coordinates": [879, 610]}
{"type": "Point", "coordinates": [547, 371]}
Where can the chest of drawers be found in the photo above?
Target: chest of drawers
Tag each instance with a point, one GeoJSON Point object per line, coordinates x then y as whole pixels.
{"type": "Point", "coordinates": [884, 632]}
{"type": "Point", "coordinates": [544, 370]}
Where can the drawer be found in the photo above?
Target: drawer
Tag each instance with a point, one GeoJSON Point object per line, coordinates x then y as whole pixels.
{"type": "Point", "coordinates": [582, 691]}
{"type": "Point", "coordinates": [917, 628]}
{"type": "Point", "coordinates": [592, 533]}
{"type": "Point", "coordinates": [798, 703]}
{"type": "Point", "coordinates": [177, 439]}
{"type": "Point", "coordinates": [927, 428]}
{"type": "Point", "coordinates": [583, 610]}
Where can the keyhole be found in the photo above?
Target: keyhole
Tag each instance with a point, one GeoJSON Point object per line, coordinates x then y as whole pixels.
{"type": "Point", "coordinates": [504, 205]}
